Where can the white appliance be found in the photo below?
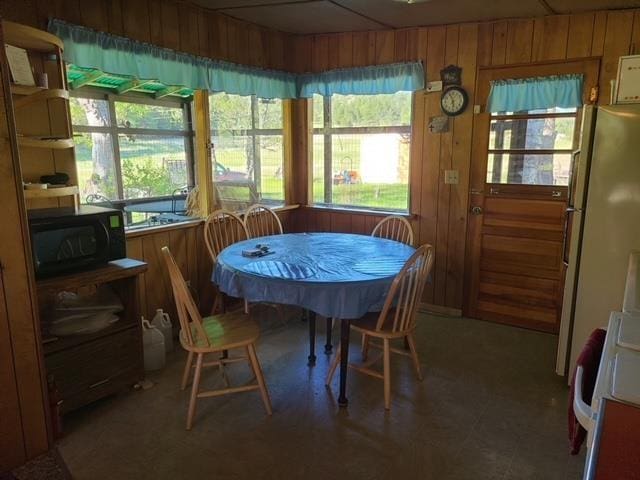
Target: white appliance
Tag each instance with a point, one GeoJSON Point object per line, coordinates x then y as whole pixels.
{"type": "Point", "coordinates": [604, 220]}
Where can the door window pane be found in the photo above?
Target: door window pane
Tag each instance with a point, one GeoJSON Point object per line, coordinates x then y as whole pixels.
{"type": "Point", "coordinates": [550, 133]}
{"type": "Point", "coordinates": [529, 168]}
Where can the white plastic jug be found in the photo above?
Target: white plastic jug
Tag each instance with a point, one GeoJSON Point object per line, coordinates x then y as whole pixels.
{"type": "Point", "coordinates": [153, 346]}
{"type": "Point", "coordinates": [163, 323]}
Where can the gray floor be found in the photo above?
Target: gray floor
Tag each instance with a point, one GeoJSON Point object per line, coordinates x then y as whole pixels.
{"type": "Point", "coordinates": [490, 407]}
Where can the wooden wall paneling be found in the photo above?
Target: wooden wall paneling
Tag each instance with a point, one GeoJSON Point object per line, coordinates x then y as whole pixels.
{"type": "Point", "coordinates": [203, 34]}
{"type": "Point", "coordinates": [257, 51]}
{"type": "Point", "coordinates": [617, 42]}
{"type": "Point", "coordinates": [431, 148]}
{"type": "Point", "coordinates": [461, 161]}
{"type": "Point", "coordinates": [334, 52]}
{"type": "Point", "coordinates": [95, 15]}
{"type": "Point", "coordinates": [275, 51]}
{"type": "Point", "coordinates": [188, 26]}
{"type": "Point", "coordinates": [238, 41]}
{"type": "Point", "coordinates": [345, 50]}
{"type": "Point", "coordinates": [550, 38]}
{"type": "Point", "coordinates": [499, 45]}
{"type": "Point", "coordinates": [599, 33]}
{"type": "Point", "coordinates": [135, 16]}
{"type": "Point", "coordinates": [519, 41]}
{"type": "Point", "coordinates": [580, 35]}
{"type": "Point", "coordinates": [485, 44]}
{"type": "Point", "coordinates": [218, 45]}
{"type": "Point", "coordinates": [155, 25]}
{"type": "Point", "coordinates": [205, 268]}
{"type": "Point", "coordinates": [158, 290]}
{"type": "Point", "coordinates": [320, 54]}
{"type": "Point", "coordinates": [360, 48]}
{"type": "Point", "coordinates": [401, 45]}
{"type": "Point", "coordinates": [634, 48]}
{"type": "Point", "coordinates": [444, 190]}
{"type": "Point", "coordinates": [359, 225]}
{"type": "Point", "coordinates": [114, 15]}
{"type": "Point", "coordinates": [385, 46]}
{"type": "Point", "coordinates": [341, 222]}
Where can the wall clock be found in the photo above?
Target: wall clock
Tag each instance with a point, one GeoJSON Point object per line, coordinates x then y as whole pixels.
{"type": "Point", "coordinates": [454, 101]}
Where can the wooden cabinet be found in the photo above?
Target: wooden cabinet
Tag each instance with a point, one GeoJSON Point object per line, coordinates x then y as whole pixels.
{"type": "Point", "coordinates": [91, 366]}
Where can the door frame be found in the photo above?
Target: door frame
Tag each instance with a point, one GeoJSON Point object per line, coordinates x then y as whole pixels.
{"type": "Point", "coordinates": [590, 67]}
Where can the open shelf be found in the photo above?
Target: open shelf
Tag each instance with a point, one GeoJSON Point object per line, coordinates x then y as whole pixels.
{"type": "Point", "coordinates": [37, 142]}
{"type": "Point", "coordinates": [52, 344]}
{"type": "Point", "coordinates": [30, 38]}
{"type": "Point", "coordinates": [39, 95]}
{"type": "Point", "coordinates": [51, 192]}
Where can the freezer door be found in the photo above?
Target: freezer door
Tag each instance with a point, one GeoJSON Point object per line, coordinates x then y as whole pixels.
{"type": "Point", "coordinates": [611, 227]}
{"type": "Point", "coordinates": [573, 234]}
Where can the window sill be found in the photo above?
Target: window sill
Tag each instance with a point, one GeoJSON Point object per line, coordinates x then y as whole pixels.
{"type": "Point", "coordinates": [360, 211]}
{"type": "Point", "coordinates": [140, 232]}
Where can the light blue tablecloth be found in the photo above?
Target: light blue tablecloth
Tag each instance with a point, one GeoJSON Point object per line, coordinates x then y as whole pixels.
{"type": "Point", "coordinates": [336, 275]}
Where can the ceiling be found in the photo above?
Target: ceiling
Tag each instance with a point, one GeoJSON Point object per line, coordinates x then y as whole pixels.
{"type": "Point", "coordinates": [328, 16]}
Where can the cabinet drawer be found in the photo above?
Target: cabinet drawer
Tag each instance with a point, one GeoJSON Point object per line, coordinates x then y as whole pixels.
{"type": "Point", "coordinates": [96, 368]}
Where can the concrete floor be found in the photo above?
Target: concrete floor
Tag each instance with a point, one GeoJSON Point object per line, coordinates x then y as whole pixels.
{"type": "Point", "coordinates": [490, 407]}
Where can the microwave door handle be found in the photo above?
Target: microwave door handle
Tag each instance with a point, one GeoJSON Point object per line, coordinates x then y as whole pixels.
{"type": "Point", "coordinates": [574, 157]}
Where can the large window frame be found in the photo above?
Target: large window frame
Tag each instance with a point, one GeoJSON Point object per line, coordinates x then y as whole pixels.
{"type": "Point", "coordinates": [327, 131]}
{"type": "Point", "coordinates": [114, 130]}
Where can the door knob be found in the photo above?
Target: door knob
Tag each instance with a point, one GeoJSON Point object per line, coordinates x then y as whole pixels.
{"type": "Point", "coordinates": [476, 210]}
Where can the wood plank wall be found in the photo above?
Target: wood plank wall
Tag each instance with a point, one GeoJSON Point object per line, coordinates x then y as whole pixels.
{"type": "Point", "coordinates": [167, 23]}
{"type": "Point", "coordinates": [439, 210]}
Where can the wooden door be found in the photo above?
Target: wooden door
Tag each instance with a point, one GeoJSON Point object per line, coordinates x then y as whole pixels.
{"type": "Point", "coordinates": [520, 171]}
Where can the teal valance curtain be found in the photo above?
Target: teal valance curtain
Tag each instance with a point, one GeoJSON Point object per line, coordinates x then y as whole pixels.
{"type": "Point", "coordinates": [122, 56]}
{"type": "Point", "coordinates": [524, 94]}
{"type": "Point", "coordinates": [113, 54]}
{"type": "Point", "coordinates": [370, 80]}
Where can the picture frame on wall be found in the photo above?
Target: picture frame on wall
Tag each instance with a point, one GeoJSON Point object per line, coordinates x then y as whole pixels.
{"type": "Point", "coordinates": [627, 85]}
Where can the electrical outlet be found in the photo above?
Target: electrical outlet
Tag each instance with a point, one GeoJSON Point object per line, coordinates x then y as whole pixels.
{"type": "Point", "coordinates": [435, 86]}
{"type": "Point", "coordinates": [477, 109]}
{"type": "Point", "coordinates": [188, 282]}
{"type": "Point", "coordinates": [451, 177]}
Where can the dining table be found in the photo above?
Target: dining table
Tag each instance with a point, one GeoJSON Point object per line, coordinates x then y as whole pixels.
{"type": "Point", "coordinates": [339, 276]}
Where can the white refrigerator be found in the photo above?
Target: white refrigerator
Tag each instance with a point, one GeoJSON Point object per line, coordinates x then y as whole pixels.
{"type": "Point", "coordinates": [603, 218]}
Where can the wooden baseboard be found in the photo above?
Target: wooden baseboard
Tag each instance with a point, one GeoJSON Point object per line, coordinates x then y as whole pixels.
{"type": "Point", "coordinates": [440, 310]}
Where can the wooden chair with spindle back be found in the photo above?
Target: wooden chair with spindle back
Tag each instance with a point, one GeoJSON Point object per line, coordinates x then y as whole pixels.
{"type": "Point", "coordinates": [215, 334]}
{"type": "Point", "coordinates": [395, 228]}
{"type": "Point", "coordinates": [221, 229]}
{"type": "Point", "coordinates": [397, 320]}
{"type": "Point", "coordinates": [261, 221]}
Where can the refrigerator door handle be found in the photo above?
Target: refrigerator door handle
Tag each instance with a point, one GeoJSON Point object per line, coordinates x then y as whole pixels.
{"type": "Point", "coordinates": [565, 234]}
{"type": "Point", "coordinates": [574, 157]}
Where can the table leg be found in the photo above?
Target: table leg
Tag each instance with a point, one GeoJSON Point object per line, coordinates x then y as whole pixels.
{"type": "Point", "coordinates": [312, 338]}
{"type": "Point", "coordinates": [345, 328]}
{"type": "Point", "coordinates": [327, 346]}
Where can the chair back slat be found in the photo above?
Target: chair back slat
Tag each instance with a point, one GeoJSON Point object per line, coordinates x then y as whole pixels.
{"type": "Point", "coordinates": [261, 221]}
{"type": "Point", "coordinates": [222, 229]}
{"type": "Point", "coordinates": [398, 313]}
{"type": "Point", "coordinates": [188, 314]}
{"type": "Point", "coordinates": [395, 228]}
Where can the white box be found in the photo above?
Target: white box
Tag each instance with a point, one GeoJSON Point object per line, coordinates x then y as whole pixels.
{"type": "Point", "coordinates": [628, 81]}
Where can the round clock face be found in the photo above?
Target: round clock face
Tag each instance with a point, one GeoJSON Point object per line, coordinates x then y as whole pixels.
{"type": "Point", "coordinates": [454, 101]}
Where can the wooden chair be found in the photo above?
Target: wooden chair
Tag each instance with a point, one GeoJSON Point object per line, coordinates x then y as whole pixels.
{"type": "Point", "coordinates": [395, 228]}
{"type": "Point", "coordinates": [261, 221]}
{"type": "Point", "coordinates": [397, 320]}
{"type": "Point", "coordinates": [213, 335]}
{"type": "Point", "coordinates": [221, 229]}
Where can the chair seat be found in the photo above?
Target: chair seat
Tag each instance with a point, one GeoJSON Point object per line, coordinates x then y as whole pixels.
{"type": "Point", "coordinates": [367, 324]}
{"type": "Point", "coordinates": [225, 331]}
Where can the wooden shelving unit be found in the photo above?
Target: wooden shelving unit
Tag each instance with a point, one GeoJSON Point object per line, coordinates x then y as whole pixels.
{"type": "Point", "coordinates": [41, 47]}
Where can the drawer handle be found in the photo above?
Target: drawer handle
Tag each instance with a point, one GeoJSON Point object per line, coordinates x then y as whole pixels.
{"type": "Point", "coordinates": [101, 382]}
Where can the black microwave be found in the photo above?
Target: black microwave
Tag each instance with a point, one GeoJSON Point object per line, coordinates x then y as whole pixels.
{"type": "Point", "coordinates": [65, 240]}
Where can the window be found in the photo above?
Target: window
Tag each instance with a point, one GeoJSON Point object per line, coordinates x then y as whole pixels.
{"type": "Point", "coordinates": [248, 155]}
{"type": "Point", "coordinates": [361, 146]}
{"type": "Point", "coordinates": [135, 154]}
{"type": "Point", "coordinates": [531, 147]}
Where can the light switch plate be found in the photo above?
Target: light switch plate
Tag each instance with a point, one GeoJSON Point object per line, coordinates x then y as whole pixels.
{"type": "Point", "coordinates": [435, 86]}
{"type": "Point", "coordinates": [477, 109]}
{"type": "Point", "coordinates": [451, 177]}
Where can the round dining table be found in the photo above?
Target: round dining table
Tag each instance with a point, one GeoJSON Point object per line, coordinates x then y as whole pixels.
{"type": "Point", "coordinates": [337, 275]}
